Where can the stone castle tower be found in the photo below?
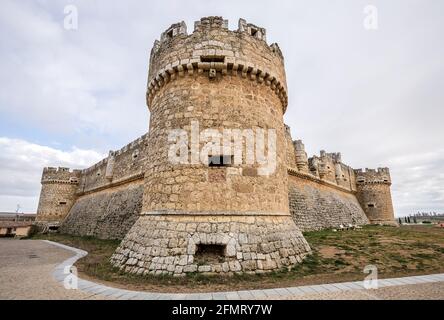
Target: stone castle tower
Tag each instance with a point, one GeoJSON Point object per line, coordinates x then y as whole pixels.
{"type": "Point", "coordinates": [217, 185]}
{"type": "Point", "coordinates": [373, 193]}
{"type": "Point", "coordinates": [58, 194]}
{"type": "Point", "coordinates": [216, 79]}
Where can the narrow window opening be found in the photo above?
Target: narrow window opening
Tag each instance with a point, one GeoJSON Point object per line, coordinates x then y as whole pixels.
{"type": "Point", "coordinates": [371, 205]}
{"type": "Point", "coordinates": [220, 161]}
{"type": "Point", "coordinates": [253, 32]}
{"type": "Point", "coordinates": [62, 203]}
{"type": "Point", "coordinates": [135, 154]}
{"type": "Point", "coordinates": [170, 34]}
{"type": "Point", "coordinates": [210, 59]}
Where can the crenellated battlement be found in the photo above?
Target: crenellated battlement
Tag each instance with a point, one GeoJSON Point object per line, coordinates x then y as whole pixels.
{"type": "Point", "coordinates": [206, 24]}
{"type": "Point", "coordinates": [60, 175]}
{"type": "Point", "coordinates": [209, 23]}
{"type": "Point", "coordinates": [370, 176]}
{"type": "Point", "coordinates": [133, 148]}
{"type": "Point", "coordinates": [215, 51]}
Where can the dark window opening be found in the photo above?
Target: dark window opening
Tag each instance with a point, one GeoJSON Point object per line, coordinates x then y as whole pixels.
{"type": "Point", "coordinates": [212, 59]}
{"type": "Point", "coordinates": [210, 253]}
{"type": "Point", "coordinates": [170, 34]}
{"type": "Point", "coordinates": [220, 161]}
{"type": "Point", "coordinates": [253, 32]}
{"type": "Point", "coordinates": [371, 205]}
{"type": "Point", "coordinates": [62, 202]}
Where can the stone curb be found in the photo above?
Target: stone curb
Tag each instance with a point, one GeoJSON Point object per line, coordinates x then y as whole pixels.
{"type": "Point", "coordinates": [63, 269]}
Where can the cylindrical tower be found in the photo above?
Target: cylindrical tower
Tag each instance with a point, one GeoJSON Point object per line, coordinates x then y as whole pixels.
{"type": "Point", "coordinates": [58, 194]}
{"type": "Point", "coordinates": [216, 196]}
{"type": "Point", "coordinates": [373, 193]}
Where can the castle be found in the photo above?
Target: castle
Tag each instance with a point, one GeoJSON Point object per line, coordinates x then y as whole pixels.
{"type": "Point", "coordinates": [222, 211]}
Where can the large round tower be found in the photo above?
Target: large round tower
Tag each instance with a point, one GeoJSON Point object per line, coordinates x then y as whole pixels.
{"type": "Point", "coordinates": [216, 196]}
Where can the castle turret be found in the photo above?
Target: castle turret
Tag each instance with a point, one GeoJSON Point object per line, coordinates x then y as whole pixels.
{"type": "Point", "coordinates": [208, 207]}
{"type": "Point", "coordinates": [373, 193]}
{"type": "Point", "coordinates": [58, 193]}
{"type": "Point", "coordinates": [301, 156]}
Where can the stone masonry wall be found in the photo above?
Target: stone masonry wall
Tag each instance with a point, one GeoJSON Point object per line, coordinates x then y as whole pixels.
{"type": "Point", "coordinates": [168, 244]}
{"type": "Point", "coordinates": [222, 80]}
{"type": "Point", "coordinates": [107, 214]}
{"type": "Point", "coordinates": [57, 195]}
{"type": "Point", "coordinates": [315, 206]}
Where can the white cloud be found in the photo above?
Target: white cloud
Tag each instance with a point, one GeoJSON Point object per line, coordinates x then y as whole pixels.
{"type": "Point", "coordinates": [374, 96]}
{"type": "Point", "coordinates": [21, 165]}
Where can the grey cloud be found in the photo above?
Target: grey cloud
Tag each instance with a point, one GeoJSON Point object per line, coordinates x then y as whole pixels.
{"type": "Point", "coordinates": [376, 96]}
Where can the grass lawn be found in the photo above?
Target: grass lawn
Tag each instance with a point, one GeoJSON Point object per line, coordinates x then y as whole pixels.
{"type": "Point", "coordinates": [337, 257]}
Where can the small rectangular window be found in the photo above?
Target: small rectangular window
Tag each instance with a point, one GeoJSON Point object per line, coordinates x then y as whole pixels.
{"type": "Point", "coordinates": [220, 59]}
{"type": "Point", "coordinates": [371, 205]}
{"type": "Point", "coordinates": [62, 203]}
{"type": "Point", "coordinates": [220, 161]}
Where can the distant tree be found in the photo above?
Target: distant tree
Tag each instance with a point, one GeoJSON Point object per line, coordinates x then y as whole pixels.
{"type": "Point", "coordinates": [408, 218]}
{"type": "Point", "coordinates": [400, 221]}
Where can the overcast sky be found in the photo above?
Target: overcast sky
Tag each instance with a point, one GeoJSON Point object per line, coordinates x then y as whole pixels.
{"type": "Point", "coordinates": [69, 96]}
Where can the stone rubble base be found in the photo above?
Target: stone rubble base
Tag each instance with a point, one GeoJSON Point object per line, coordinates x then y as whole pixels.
{"type": "Point", "coordinates": [167, 244]}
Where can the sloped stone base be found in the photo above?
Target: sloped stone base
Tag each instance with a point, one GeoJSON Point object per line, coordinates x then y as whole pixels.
{"type": "Point", "coordinates": [167, 244]}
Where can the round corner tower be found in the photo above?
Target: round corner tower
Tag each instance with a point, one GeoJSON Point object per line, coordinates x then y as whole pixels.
{"type": "Point", "coordinates": [373, 193]}
{"type": "Point", "coordinates": [58, 194]}
{"type": "Point", "coordinates": [216, 194]}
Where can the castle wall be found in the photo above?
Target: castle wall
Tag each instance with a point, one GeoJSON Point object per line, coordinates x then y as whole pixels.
{"type": "Point", "coordinates": [195, 216]}
{"type": "Point", "coordinates": [316, 206]}
{"type": "Point", "coordinates": [106, 214]}
{"type": "Point", "coordinates": [120, 166]}
{"type": "Point", "coordinates": [103, 201]}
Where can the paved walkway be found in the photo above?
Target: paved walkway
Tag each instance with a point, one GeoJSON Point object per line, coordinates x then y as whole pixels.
{"type": "Point", "coordinates": [26, 268]}
{"type": "Point", "coordinates": [39, 283]}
